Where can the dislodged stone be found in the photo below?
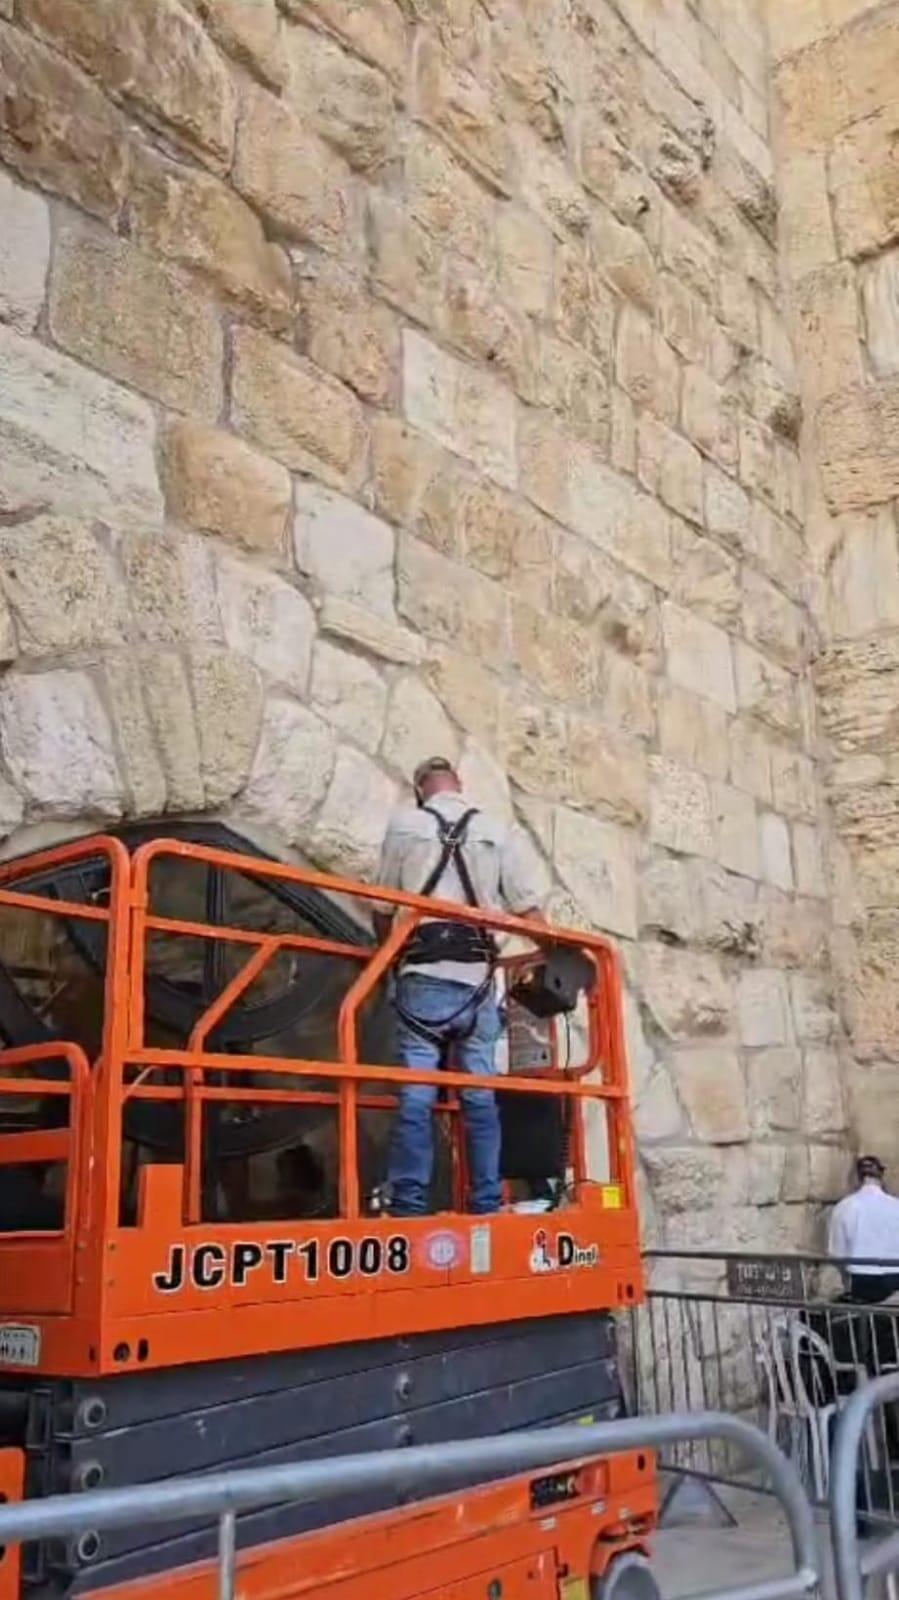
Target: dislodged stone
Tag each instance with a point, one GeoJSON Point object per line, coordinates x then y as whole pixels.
{"type": "Point", "coordinates": [266, 620]}
{"type": "Point", "coordinates": [250, 31]}
{"type": "Point", "coordinates": [72, 439]}
{"type": "Point", "coordinates": [62, 586]}
{"type": "Point", "coordinates": [686, 992]}
{"type": "Point", "coordinates": [680, 809]}
{"type": "Point", "coordinates": [228, 699]}
{"type": "Point", "coordinates": [344, 549]}
{"type": "Point", "coordinates": [118, 309]}
{"type": "Point", "coordinates": [417, 727]}
{"type": "Point", "coordinates": [291, 771]}
{"type": "Point", "coordinates": [196, 220]}
{"type": "Point", "coordinates": [58, 745]}
{"type": "Point", "coordinates": [348, 619]}
{"type": "Point", "coordinates": [764, 1008]}
{"type": "Point", "coordinates": [350, 104]}
{"type": "Point", "coordinates": [305, 418]}
{"type": "Point", "coordinates": [80, 152]}
{"type": "Point", "coordinates": [710, 1084]}
{"type": "Point", "coordinates": [595, 861]}
{"type": "Point", "coordinates": [152, 54]}
{"type": "Point", "coordinates": [288, 173]}
{"type": "Point", "coordinates": [24, 254]}
{"type": "Point", "coordinates": [774, 1078]}
{"type": "Point", "coordinates": [140, 763]}
{"type": "Point", "coordinates": [217, 484]}
{"type": "Point", "coordinates": [460, 406]}
{"type": "Point", "coordinates": [350, 827]}
{"type": "Point", "coordinates": [774, 841]}
{"type": "Point", "coordinates": [699, 656]}
{"type": "Point", "coordinates": [349, 693]}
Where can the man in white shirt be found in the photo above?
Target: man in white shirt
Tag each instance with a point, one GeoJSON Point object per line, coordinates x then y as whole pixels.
{"type": "Point", "coordinates": [445, 994]}
{"type": "Point", "coordinates": [864, 1228]}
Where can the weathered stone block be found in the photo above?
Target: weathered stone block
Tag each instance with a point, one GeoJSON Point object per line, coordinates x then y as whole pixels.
{"type": "Point", "coordinates": [548, 186]}
{"type": "Point", "coordinates": [416, 726]}
{"type": "Point", "coordinates": [301, 415]}
{"type": "Point", "coordinates": [461, 407]}
{"type": "Point", "coordinates": [503, 537]}
{"type": "Point", "coordinates": [687, 993]}
{"type": "Point", "coordinates": [857, 432]}
{"type": "Point", "coordinates": [772, 622]}
{"type": "Point", "coordinates": [738, 840]}
{"type": "Point", "coordinates": [595, 861]}
{"type": "Point", "coordinates": [726, 508]}
{"type": "Point", "coordinates": [793, 783]}
{"type": "Point", "coordinates": [347, 619]}
{"type": "Point", "coordinates": [58, 745]}
{"type": "Point", "coordinates": [267, 621]}
{"type": "Point", "coordinates": [814, 1018]}
{"type": "Point", "coordinates": [138, 757]}
{"type": "Point", "coordinates": [446, 200]}
{"type": "Point", "coordinates": [707, 579]}
{"type": "Point", "coordinates": [251, 32]}
{"type": "Point", "coordinates": [71, 438]}
{"type": "Point", "coordinates": [458, 102]}
{"type": "Point", "coordinates": [153, 55]}
{"type": "Point", "coordinates": [350, 104]}
{"type": "Point", "coordinates": [774, 1080]}
{"type": "Point", "coordinates": [349, 693]}
{"type": "Point", "coordinates": [195, 220]}
{"type": "Point", "coordinates": [349, 334]}
{"type": "Point", "coordinates": [823, 1103]}
{"type": "Point", "coordinates": [646, 367]}
{"type": "Point", "coordinates": [766, 690]}
{"type": "Point", "coordinates": [375, 28]}
{"type": "Point", "coordinates": [623, 257]}
{"type": "Point", "coordinates": [680, 812]}
{"type": "Point", "coordinates": [726, 910]}
{"type": "Point", "coordinates": [407, 261]}
{"type": "Point", "coordinates": [525, 257]}
{"type": "Point", "coordinates": [776, 860]}
{"type": "Point", "coordinates": [62, 586]}
{"type": "Point", "coordinates": [449, 603]}
{"type": "Point", "coordinates": [344, 549]}
{"type": "Point", "coordinates": [80, 152]}
{"type": "Point", "coordinates": [692, 731]}
{"type": "Point", "coordinates": [880, 298]}
{"type": "Point", "coordinates": [118, 309]}
{"type": "Point", "coordinates": [293, 178]}
{"type": "Point", "coordinates": [764, 1008]}
{"type": "Point", "coordinates": [171, 586]}
{"type": "Point", "coordinates": [709, 417]}
{"type": "Point", "coordinates": [418, 485]}
{"type": "Point", "coordinates": [686, 321]}
{"type": "Point", "coordinates": [228, 697]}
{"type": "Point", "coordinates": [479, 325]}
{"type": "Point", "coordinates": [350, 827]}
{"type": "Point", "coordinates": [750, 760]}
{"type": "Point", "coordinates": [24, 254]}
{"type": "Point", "coordinates": [291, 770]}
{"type": "Point", "coordinates": [711, 1086]}
{"type": "Point", "coordinates": [217, 484]}
{"type": "Point", "coordinates": [807, 853]}
{"type": "Point", "coordinates": [863, 575]}
{"type": "Point", "coordinates": [171, 711]}
{"type": "Point", "coordinates": [699, 656]}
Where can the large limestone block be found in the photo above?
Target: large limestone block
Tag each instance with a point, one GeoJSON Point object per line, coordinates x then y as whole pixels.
{"type": "Point", "coordinates": [828, 333]}
{"type": "Point", "coordinates": [811, 997]}
{"type": "Point", "coordinates": [459, 103]}
{"type": "Point", "coordinates": [450, 603]}
{"type": "Point", "coordinates": [709, 417]}
{"type": "Point", "coordinates": [763, 1004]}
{"type": "Point", "coordinates": [58, 745]}
{"type": "Point", "coordinates": [608, 773]}
{"type": "Point", "coordinates": [823, 1103]}
{"type": "Point", "coordinates": [350, 827]}
{"type": "Point", "coordinates": [350, 334]}
{"type": "Point", "coordinates": [251, 32]}
{"type": "Point", "coordinates": [657, 1112]}
{"type": "Point", "coordinates": [735, 820]}
{"type": "Point", "coordinates": [170, 707]}
{"type": "Point", "coordinates": [525, 260]}
{"type": "Point", "coordinates": [291, 770]}
{"type": "Point", "coordinates": [291, 176]}
{"type": "Point", "coordinates": [548, 186]}
{"type": "Point", "coordinates": [459, 406]}
{"type": "Point", "coordinates": [807, 231]}
{"type": "Point", "coordinates": [808, 855]}
{"type": "Point", "coordinates": [858, 684]}
{"type": "Point", "coordinates": [197, 221]}
{"type": "Point", "coordinates": [667, 903]}
{"type": "Point", "coordinates": [228, 696]}
{"type": "Point", "coordinates": [446, 200]}
{"type": "Point", "coordinates": [727, 511]}
{"type": "Point", "coordinates": [680, 815]}
{"type": "Point", "coordinates": [794, 783]}
{"type": "Point", "coordinates": [349, 103]}
{"type": "Point", "coordinates": [301, 415]}
{"type": "Point", "coordinates": [139, 758]}
{"type": "Point", "coordinates": [880, 298]}
{"type": "Point", "coordinates": [774, 1079]}
{"type": "Point", "coordinates": [217, 484]}
{"type": "Point", "coordinates": [24, 254]}
{"type": "Point", "coordinates": [863, 575]}
{"type": "Point", "coordinates": [726, 910]}
{"type": "Point", "coordinates": [417, 727]}
{"type": "Point", "coordinates": [687, 993]}
{"type": "Point", "coordinates": [698, 656]}
{"type": "Point", "coordinates": [118, 309]}
{"type": "Point", "coordinates": [268, 621]}
{"type": "Point", "coordinates": [375, 28]}
{"type": "Point", "coordinates": [349, 693]}
{"type": "Point", "coordinates": [81, 152]}
{"type": "Point", "coordinates": [707, 579]}
{"type": "Point", "coordinates": [379, 636]}
{"type": "Point", "coordinates": [406, 260]}
{"type": "Point", "coordinates": [857, 439]}
{"type": "Point", "coordinates": [343, 548]}
{"type": "Point", "coordinates": [687, 1178]}
{"type": "Point", "coordinates": [62, 586]}
{"type": "Point", "coordinates": [153, 55]}
{"type": "Point", "coordinates": [171, 587]}
{"type": "Point", "coordinates": [772, 622]}
{"type": "Point", "coordinates": [646, 366]}
{"type": "Point", "coordinates": [711, 1085]}
{"type": "Point", "coordinates": [765, 690]}
{"type": "Point", "coordinates": [774, 842]}
{"type": "Point", "coordinates": [595, 862]}
{"type": "Point", "coordinates": [71, 438]}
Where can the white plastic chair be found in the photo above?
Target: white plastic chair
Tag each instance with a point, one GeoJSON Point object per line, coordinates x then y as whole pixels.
{"type": "Point", "coordinates": [780, 1357]}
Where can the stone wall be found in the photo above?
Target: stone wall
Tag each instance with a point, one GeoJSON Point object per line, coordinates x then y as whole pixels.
{"type": "Point", "coordinates": [836, 78]}
{"type": "Point", "coordinates": [410, 375]}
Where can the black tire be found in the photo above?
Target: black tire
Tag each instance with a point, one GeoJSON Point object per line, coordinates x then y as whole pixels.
{"type": "Point", "coordinates": [629, 1577]}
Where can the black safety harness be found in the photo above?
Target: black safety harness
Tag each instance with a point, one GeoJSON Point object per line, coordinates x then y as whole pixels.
{"type": "Point", "coordinates": [450, 941]}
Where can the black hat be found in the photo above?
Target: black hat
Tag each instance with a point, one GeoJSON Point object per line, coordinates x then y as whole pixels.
{"type": "Point", "coordinates": [869, 1167]}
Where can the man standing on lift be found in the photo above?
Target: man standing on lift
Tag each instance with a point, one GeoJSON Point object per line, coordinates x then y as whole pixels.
{"type": "Point", "coordinates": [445, 992]}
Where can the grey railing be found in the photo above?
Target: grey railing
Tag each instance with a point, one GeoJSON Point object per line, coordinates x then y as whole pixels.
{"type": "Point", "coordinates": [852, 1567]}
{"type": "Point", "coordinates": [224, 1494]}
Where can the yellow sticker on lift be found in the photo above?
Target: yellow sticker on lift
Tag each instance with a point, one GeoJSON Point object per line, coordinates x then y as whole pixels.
{"type": "Point", "coordinates": [612, 1197]}
{"type": "Point", "coordinates": [574, 1589]}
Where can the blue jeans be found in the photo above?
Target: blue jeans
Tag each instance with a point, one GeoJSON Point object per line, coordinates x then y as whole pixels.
{"type": "Point", "coordinates": [411, 1161]}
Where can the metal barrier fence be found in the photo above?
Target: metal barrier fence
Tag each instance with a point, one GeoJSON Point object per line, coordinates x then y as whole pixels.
{"type": "Point", "coordinates": [224, 1494]}
{"type": "Point", "coordinates": [757, 1338]}
{"type": "Point", "coordinates": [852, 1570]}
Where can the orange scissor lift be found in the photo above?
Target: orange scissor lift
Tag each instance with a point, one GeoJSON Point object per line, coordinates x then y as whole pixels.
{"type": "Point", "coordinates": [150, 1326]}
